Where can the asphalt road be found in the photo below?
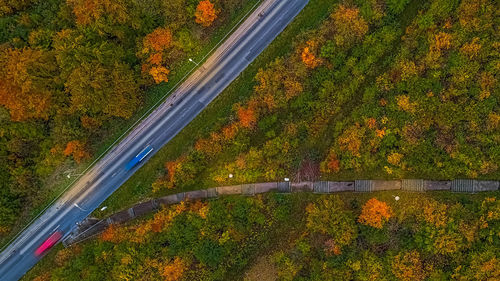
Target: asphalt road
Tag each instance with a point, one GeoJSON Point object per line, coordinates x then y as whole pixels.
{"type": "Point", "coordinates": [182, 106]}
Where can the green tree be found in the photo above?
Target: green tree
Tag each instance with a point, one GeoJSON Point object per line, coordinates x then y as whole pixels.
{"type": "Point", "coordinates": [328, 216]}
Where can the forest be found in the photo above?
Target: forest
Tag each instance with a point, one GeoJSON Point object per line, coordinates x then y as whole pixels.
{"type": "Point", "coordinates": [298, 236]}
{"type": "Point", "coordinates": [74, 71]}
{"type": "Point", "coordinates": [353, 89]}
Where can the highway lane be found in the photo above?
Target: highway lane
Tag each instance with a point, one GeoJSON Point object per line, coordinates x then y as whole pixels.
{"type": "Point", "coordinates": [183, 105]}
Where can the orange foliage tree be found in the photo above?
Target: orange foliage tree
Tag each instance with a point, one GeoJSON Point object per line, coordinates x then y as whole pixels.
{"type": "Point", "coordinates": [154, 45]}
{"type": "Point", "coordinates": [209, 146]}
{"type": "Point", "coordinates": [442, 41]}
{"type": "Point", "coordinates": [168, 181]}
{"type": "Point", "coordinates": [331, 164]}
{"type": "Point", "coordinates": [114, 234]}
{"type": "Point", "coordinates": [158, 40]}
{"type": "Point", "coordinates": [308, 57]}
{"type": "Point", "coordinates": [247, 117]}
{"type": "Point", "coordinates": [205, 13]}
{"type": "Point", "coordinates": [77, 149]}
{"type": "Point", "coordinates": [214, 143]}
{"type": "Point", "coordinates": [375, 213]}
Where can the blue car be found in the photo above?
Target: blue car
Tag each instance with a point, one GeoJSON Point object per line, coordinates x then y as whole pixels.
{"type": "Point", "coordinates": [139, 157]}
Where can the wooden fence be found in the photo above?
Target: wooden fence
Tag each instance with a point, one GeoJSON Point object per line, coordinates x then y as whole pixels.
{"type": "Point", "coordinates": [91, 227]}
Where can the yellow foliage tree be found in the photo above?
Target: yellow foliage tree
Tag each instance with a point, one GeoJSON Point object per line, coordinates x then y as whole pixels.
{"type": "Point", "coordinates": [351, 139]}
{"type": "Point", "coordinates": [89, 11]}
{"type": "Point", "coordinates": [159, 74]}
{"type": "Point", "coordinates": [24, 87]}
{"type": "Point", "coordinates": [472, 48]}
{"type": "Point", "coordinates": [408, 266]}
{"type": "Point", "coordinates": [348, 25]}
{"type": "Point", "coordinates": [394, 158]}
{"type": "Point", "coordinates": [173, 271]}
{"type": "Point", "coordinates": [404, 103]}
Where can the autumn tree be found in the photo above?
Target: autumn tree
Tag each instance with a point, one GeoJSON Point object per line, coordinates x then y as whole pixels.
{"type": "Point", "coordinates": [247, 117]}
{"type": "Point", "coordinates": [351, 139]}
{"type": "Point", "coordinates": [173, 271]}
{"type": "Point", "coordinates": [331, 163]}
{"type": "Point", "coordinates": [114, 234]}
{"type": "Point", "coordinates": [471, 49]}
{"type": "Point", "coordinates": [483, 265]}
{"type": "Point", "coordinates": [205, 13]}
{"type": "Point", "coordinates": [404, 103]}
{"type": "Point", "coordinates": [78, 150]}
{"type": "Point", "coordinates": [159, 74]}
{"type": "Point", "coordinates": [27, 83]}
{"type": "Point", "coordinates": [434, 213]}
{"type": "Point", "coordinates": [490, 220]}
{"type": "Point", "coordinates": [368, 267]}
{"type": "Point", "coordinates": [154, 47]}
{"type": "Point", "coordinates": [348, 25]}
{"type": "Point", "coordinates": [375, 213]}
{"type": "Point", "coordinates": [97, 89]}
{"type": "Point", "coordinates": [328, 216]}
{"type": "Point", "coordinates": [66, 254]}
{"type": "Point", "coordinates": [169, 180]}
{"type": "Point", "coordinates": [308, 56]}
{"type": "Point", "coordinates": [407, 266]}
{"type": "Point", "coordinates": [277, 84]}
{"type": "Point", "coordinates": [158, 40]}
{"type": "Point", "coordinates": [90, 11]}
{"type": "Point", "coordinates": [8, 7]}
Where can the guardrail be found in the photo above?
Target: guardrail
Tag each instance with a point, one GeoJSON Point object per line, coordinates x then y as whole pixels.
{"type": "Point", "coordinates": [90, 228]}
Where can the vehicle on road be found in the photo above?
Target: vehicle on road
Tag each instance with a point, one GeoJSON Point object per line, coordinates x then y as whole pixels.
{"type": "Point", "coordinates": [49, 243]}
{"type": "Point", "coordinates": [139, 157]}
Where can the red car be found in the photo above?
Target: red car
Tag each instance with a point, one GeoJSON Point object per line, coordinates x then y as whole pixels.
{"type": "Point", "coordinates": [51, 241]}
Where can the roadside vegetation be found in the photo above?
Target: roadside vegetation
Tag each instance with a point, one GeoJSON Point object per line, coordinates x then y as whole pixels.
{"type": "Point", "coordinates": [76, 73]}
{"type": "Point", "coordinates": [366, 89]}
{"type": "Point", "coordinates": [301, 236]}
